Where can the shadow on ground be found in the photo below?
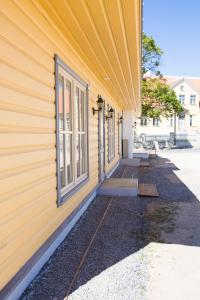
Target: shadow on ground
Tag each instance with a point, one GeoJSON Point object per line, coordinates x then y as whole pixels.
{"type": "Point", "coordinates": [130, 224]}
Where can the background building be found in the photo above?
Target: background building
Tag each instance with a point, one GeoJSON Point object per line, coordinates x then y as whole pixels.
{"type": "Point", "coordinates": [187, 90]}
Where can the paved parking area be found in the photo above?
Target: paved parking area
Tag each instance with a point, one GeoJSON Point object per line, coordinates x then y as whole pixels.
{"type": "Point", "coordinates": [131, 247]}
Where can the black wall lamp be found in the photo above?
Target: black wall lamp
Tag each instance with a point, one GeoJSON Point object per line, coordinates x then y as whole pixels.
{"type": "Point", "coordinates": [100, 103]}
{"type": "Point", "coordinates": [110, 114]}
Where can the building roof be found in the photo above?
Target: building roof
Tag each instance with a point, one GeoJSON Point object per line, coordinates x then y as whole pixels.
{"type": "Point", "coordinates": [193, 82]}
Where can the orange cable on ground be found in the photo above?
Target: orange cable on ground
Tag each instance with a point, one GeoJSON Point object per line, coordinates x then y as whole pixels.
{"type": "Point", "coordinates": [90, 243]}
{"type": "Point", "coordinates": [87, 249]}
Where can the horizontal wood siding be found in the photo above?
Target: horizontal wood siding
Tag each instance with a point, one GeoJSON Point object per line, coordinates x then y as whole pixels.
{"type": "Point", "coordinates": [28, 210]}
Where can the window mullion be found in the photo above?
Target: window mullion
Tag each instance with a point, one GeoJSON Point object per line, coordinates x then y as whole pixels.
{"type": "Point", "coordinates": [73, 132]}
{"type": "Point", "coordinates": [64, 131]}
{"type": "Point", "coordinates": [79, 133]}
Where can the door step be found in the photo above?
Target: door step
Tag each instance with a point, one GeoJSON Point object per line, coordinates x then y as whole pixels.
{"type": "Point", "coordinates": [132, 162]}
{"type": "Point", "coordinates": [119, 187]}
{"type": "Point", "coordinates": [140, 154]}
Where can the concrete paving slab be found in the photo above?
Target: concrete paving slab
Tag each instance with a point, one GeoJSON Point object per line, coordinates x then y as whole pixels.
{"type": "Point", "coordinates": [133, 162]}
{"type": "Point", "coordinates": [140, 154]}
{"type": "Point", "coordinates": [119, 187]}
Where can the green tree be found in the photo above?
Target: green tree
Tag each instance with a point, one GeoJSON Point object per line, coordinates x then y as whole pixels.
{"type": "Point", "coordinates": [151, 55]}
{"type": "Point", "coordinates": [158, 99]}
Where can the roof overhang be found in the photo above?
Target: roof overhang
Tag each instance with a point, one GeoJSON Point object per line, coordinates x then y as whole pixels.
{"type": "Point", "coordinates": [107, 36]}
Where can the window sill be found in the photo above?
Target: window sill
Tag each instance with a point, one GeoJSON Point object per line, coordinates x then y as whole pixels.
{"type": "Point", "coordinates": [64, 198]}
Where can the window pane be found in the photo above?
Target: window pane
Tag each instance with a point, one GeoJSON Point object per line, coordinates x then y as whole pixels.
{"type": "Point", "coordinates": [69, 158]}
{"type": "Point", "coordinates": [78, 155]}
{"type": "Point", "coordinates": [68, 105]}
{"type": "Point", "coordinates": [62, 161]}
{"type": "Point", "coordinates": [60, 103]}
{"type": "Point", "coordinates": [83, 167]}
{"type": "Point", "coordinates": [77, 109]}
{"type": "Point", "coordinates": [82, 110]}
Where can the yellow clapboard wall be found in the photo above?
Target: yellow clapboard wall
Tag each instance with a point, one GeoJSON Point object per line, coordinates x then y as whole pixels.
{"type": "Point", "coordinates": [28, 210]}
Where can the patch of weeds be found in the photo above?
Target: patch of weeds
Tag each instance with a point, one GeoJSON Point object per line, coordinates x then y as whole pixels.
{"type": "Point", "coordinates": [161, 219]}
{"type": "Point", "coordinates": [161, 215]}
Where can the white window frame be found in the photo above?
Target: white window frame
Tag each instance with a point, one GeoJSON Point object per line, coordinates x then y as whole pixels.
{"type": "Point", "coordinates": [144, 121]}
{"type": "Point", "coordinates": [111, 136]}
{"type": "Point", "coordinates": [193, 99]}
{"type": "Point", "coordinates": [156, 122]}
{"type": "Point", "coordinates": [171, 121]}
{"type": "Point", "coordinates": [182, 98]}
{"type": "Point", "coordinates": [61, 69]}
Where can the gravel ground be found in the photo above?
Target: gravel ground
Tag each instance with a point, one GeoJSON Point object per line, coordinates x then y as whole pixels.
{"type": "Point", "coordinates": [142, 249]}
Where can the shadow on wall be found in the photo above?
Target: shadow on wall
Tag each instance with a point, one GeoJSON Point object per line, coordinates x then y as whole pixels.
{"type": "Point", "coordinates": [130, 223]}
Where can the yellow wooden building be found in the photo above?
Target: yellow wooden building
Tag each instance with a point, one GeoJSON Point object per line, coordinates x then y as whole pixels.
{"type": "Point", "coordinates": [70, 72]}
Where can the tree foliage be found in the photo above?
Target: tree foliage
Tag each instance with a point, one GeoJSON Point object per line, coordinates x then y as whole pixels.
{"type": "Point", "coordinates": [158, 99]}
{"type": "Point", "coordinates": [151, 55]}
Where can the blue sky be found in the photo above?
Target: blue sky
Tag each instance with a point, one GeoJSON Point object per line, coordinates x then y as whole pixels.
{"type": "Point", "coordinates": [175, 25]}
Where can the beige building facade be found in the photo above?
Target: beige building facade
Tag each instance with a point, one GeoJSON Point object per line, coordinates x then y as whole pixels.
{"type": "Point", "coordinates": [187, 90]}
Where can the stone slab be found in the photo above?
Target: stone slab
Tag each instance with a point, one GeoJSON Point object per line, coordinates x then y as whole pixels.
{"type": "Point", "coordinates": [119, 187]}
{"type": "Point", "coordinates": [139, 154]}
{"type": "Point", "coordinates": [132, 162]}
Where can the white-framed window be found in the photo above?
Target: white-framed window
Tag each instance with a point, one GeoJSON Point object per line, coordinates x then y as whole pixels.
{"type": "Point", "coordinates": [72, 130]}
{"type": "Point", "coordinates": [156, 122]}
{"type": "Point", "coordinates": [182, 88]}
{"type": "Point", "coordinates": [192, 99]}
{"type": "Point", "coordinates": [181, 122]}
{"type": "Point", "coordinates": [111, 135]}
{"type": "Point", "coordinates": [144, 121]}
{"type": "Point", "coordinates": [182, 99]}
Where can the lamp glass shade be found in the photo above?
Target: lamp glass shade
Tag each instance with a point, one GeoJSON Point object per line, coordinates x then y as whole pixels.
{"type": "Point", "coordinates": [100, 102]}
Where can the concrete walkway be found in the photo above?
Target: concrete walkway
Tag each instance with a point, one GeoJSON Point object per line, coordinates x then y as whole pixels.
{"type": "Point", "coordinates": [131, 247]}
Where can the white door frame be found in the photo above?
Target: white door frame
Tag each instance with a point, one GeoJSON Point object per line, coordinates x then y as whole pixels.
{"type": "Point", "coordinates": [101, 143]}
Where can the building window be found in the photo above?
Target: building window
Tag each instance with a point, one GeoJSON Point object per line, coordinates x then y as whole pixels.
{"type": "Point", "coordinates": [182, 99]}
{"type": "Point", "coordinates": [143, 121]}
{"type": "Point", "coordinates": [182, 88]}
{"type": "Point", "coordinates": [156, 121]}
{"type": "Point", "coordinates": [190, 120]}
{"type": "Point", "coordinates": [181, 122]}
{"type": "Point", "coordinates": [72, 130]}
{"type": "Point", "coordinates": [111, 136]}
{"type": "Point", "coordinates": [192, 99]}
